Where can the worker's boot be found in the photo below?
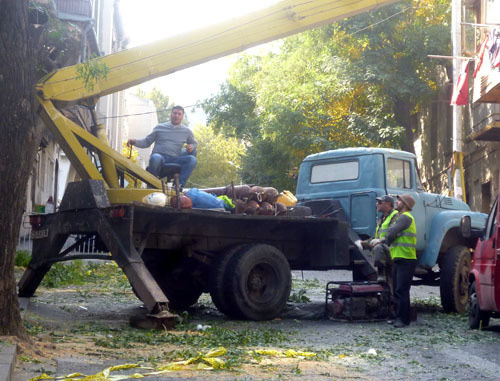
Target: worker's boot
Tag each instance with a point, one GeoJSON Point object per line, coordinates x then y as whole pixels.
{"type": "Point", "coordinates": [381, 277]}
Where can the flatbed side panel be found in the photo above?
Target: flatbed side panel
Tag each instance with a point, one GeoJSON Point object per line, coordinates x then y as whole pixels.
{"type": "Point", "coordinates": [308, 243]}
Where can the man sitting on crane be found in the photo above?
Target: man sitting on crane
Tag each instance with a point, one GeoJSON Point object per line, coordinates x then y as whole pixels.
{"type": "Point", "coordinates": [169, 139]}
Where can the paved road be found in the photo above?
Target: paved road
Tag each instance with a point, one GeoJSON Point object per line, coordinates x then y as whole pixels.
{"type": "Point", "coordinates": [436, 347]}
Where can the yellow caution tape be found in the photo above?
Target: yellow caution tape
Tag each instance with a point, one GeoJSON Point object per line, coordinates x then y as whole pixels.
{"type": "Point", "coordinates": [207, 361]}
{"type": "Point", "coordinates": [73, 375]}
{"type": "Point", "coordinates": [287, 353]}
{"type": "Point", "coordinates": [124, 366]}
{"type": "Point", "coordinates": [216, 352]}
{"type": "Point", "coordinates": [43, 376]}
{"type": "Point", "coordinates": [215, 363]}
{"type": "Point", "coordinates": [292, 353]}
{"type": "Point", "coordinates": [268, 352]}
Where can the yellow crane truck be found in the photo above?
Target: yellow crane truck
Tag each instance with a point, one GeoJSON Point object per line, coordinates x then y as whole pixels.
{"type": "Point", "coordinates": [170, 255]}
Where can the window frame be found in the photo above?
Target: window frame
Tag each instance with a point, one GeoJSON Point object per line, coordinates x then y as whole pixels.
{"type": "Point", "coordinates": [406, 170]}
{"type": "Point", "coordinates": [316, 165]}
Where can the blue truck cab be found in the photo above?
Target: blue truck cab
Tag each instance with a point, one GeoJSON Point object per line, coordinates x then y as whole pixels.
{"type": "Point", "coordinates": [356, 176]}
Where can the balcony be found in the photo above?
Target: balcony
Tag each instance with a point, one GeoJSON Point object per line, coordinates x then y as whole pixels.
{"type": "Point", "coordinates": [76, 8]}
{"type": "Point", "coordinates": [486, 122]}
{"type": "Point", "coordinates": [487, 87]}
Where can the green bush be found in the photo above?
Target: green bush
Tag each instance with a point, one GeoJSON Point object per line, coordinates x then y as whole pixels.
{"type": "Point", "coordinates": [78, 273]}
{"type": "Point", "coordinates": [23, 258]}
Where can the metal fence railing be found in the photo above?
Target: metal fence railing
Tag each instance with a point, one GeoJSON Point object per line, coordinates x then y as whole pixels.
{"type": "Point", "coordinates": [87, 247]}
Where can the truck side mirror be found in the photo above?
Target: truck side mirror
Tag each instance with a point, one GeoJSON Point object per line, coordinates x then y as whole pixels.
{"type": "Point", "coordinates": [465, 227]}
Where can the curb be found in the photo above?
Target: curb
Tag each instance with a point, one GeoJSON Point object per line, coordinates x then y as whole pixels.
{"type": "Point", "coordinates": [8, 354]}
{"type": "Point", "coordinates": [8, 351]}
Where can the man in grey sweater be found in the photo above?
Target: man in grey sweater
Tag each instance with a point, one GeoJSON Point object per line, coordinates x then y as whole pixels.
{"type": "Point", "coordinates": [169, 139]}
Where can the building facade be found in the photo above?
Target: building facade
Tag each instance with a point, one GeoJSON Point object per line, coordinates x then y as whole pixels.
{"type": "Point", "coordinates": [100, 28]}
{"type": "Point", "coordinates": [480, 116]}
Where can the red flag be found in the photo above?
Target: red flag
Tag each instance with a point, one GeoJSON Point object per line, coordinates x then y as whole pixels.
{"type": "Point", "coordinates": [460, 96]}
{"type": "Point", "coordinates": [480, 55]}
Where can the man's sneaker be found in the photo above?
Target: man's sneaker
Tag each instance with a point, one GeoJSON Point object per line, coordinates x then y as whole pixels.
{"type": "Point", "coordinates": [390, 321]}
{"type": "Point", "coordinates": [399, 324]}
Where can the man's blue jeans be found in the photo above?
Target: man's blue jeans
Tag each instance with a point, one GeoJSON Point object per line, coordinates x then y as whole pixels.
{"type": "Point", "coordinates": [187, 162]}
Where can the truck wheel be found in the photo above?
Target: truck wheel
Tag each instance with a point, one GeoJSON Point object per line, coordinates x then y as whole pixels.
{"type": "Point", "coordinates": [179, 290]}
{"type": "Point", "coordinates": [176, 282]}
{"type": "Point", "coordinates": [454, 283]}
{"type": "Point", "coordinates": [477, 318]}
{"type": "Point", "coordinates": [260, 282]}
{"type": "Point", "coordinates": [218, 280]}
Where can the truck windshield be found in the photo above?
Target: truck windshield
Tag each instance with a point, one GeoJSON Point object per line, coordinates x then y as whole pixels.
{"type": "Point", "coordinates": [398, 174]}
{"type": "Point", "coordinates": [347, 170]}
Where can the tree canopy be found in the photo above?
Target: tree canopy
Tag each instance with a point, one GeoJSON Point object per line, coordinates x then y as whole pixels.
{"type": "Point", "coordinates": [161, 101]}
{"type": "Point", "coordinates": [359, 82]}
{"type": "Point", "coordinates": [218, 159]}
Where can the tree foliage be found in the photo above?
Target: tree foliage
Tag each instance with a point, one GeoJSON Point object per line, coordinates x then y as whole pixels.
{"type": "Point", "coordinates": [161, 101]}
{"type": "Point", "coordinates": [91, 71]}
{"type": "Point", "coordinates": [218, 159]}
{"type": "Point", "coordinates": [357, 82]}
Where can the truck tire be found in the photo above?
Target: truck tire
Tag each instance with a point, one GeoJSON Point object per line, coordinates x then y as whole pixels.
{"type": "Point", "coordinates": [454, 283]}
{"type": "Point", "coordinates": [477, 318]}
{"type": "Point", "coordinates": [260, 282]}
{"type": "Point", "coordinates": [176, 282]}
{"type": "Point", "coordinates": [218, 280]}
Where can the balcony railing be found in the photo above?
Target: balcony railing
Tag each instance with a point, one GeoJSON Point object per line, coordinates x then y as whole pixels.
{"type": "Point", "coordinates": [488, 128]}
{"type": "Point", "coordinates": [75, 7]}
{"type": "Point", "coordinates": [487, 87]}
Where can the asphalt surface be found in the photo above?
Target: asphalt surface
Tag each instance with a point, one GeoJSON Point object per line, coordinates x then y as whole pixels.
{"type": "Point", "coordinates": [432, 348]}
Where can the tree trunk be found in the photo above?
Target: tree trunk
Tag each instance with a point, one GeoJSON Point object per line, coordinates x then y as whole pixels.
{"type": "Point", "coordinates": [18, 143]}
{"type": "Point", "coordinates": [409, 122]}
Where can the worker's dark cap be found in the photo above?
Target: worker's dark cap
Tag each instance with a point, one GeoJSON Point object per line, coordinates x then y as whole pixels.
{"type": "Point", "coordinates": [386, 198]}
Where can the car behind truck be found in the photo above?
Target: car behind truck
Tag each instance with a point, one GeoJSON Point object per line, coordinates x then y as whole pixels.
{"type": "Point", "coordinates": [484, 278]}
{"type": "Point", "coordinates": [354, 177]}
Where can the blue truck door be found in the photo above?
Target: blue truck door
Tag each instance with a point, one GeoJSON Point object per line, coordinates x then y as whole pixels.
{"type": "Point", "coordinates": [363, 211]}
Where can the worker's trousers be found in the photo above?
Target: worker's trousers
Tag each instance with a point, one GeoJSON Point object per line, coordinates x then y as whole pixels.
{"type": "Point", "coordinates": [187, 162]}
{"type": "Point", "coordinates": [383, 262]}
{"type": "Point", "coordinates": [403, 276]}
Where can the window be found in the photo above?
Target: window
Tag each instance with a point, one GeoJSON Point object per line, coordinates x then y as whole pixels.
{"type": "Point", "coordinates": [322, 173]}
{"type": "Point", "coordinates": [485, 197]}
{"type": "Point", "coordinates": [398, 174]}
{"type": "Point", "coordinates": [490, 223]}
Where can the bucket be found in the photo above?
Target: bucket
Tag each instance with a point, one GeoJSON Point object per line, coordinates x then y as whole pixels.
{"type": "Point", "coordinates": [287, 198]}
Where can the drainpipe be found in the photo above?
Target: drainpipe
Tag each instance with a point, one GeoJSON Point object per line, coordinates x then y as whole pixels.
{"type": "Point", "coordinates": [456, 43]}
{"type": "Point", "coordinates": [84, 39]}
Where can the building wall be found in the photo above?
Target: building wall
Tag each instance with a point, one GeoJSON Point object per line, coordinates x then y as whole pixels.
{"type": "Point", "coordinates": [52, 170]}
{"type": "Point", "coordinates": [481, 159]}
{"type": "Point", "coordinates": [140, 122]}
{"type": "Point", "coordinates": [434, 147]}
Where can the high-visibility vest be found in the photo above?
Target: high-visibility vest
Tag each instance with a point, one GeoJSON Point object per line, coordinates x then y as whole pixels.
{"type": "Point", "coordinates": [383, 228]}
{"type": "Point", "coordinates": [405, 244]}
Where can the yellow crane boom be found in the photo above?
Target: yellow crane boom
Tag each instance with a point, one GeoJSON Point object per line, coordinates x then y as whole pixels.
{"type": "Point", "coordinates": [137, 65]}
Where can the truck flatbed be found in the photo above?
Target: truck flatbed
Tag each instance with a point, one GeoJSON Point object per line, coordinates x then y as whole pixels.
{"type": "Point", "coordinates": [171, 256]}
